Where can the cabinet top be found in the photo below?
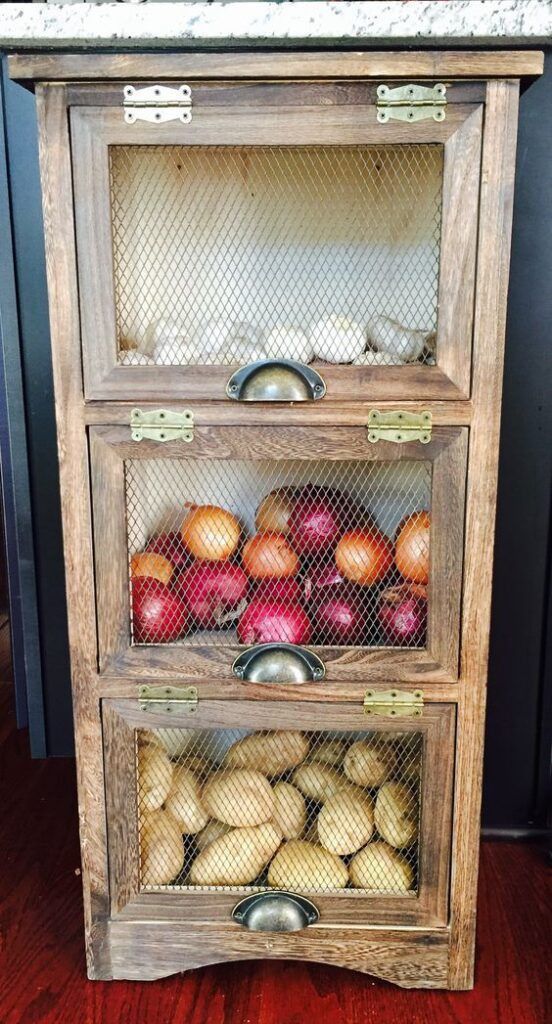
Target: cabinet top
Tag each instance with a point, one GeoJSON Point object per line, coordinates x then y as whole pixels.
{"type": "Point", "coordinates": [451, 64]}
{"type": "Point", "coordinates": [80, 26]}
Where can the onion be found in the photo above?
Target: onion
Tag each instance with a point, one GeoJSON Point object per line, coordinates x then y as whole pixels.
{"type": "Point", "coordinates": [286, 589]}
{"type": "Point", "coordinates": [211, 589]}
{"type": "Point", "coordinates": [265, 622]}
{"type": "Point", "coordinates": [210, 533]}
{"type": "Point", "coordinates": [412, 547]}
{"type": "Point", "coordinates": [269, 555]}
{"type": "Point", "coordinates": [317, 519]}
{"type": "Point", "coordinates": [158, 615]}
{"type": "Point", "coordinates": [402, 614]}
{"type": "Point", "coordinates": [170, 545]}
{"type": "Point", "coordinates": [364, 556]}
{"type": "Point", "coordinates": [320, 577]}
{"type": "Point", "coordinates": [149, 563]}
{"type": "Point", "coordinates": [285, 342]}
{"type": "Point", "coordinates": [403, 343]}
{"type": "Point", "coordinates": [338, 340]}
{"type": "Point", "coordinates": [274, 511]}
{"type": "Point", "coordinates": [338, 615]}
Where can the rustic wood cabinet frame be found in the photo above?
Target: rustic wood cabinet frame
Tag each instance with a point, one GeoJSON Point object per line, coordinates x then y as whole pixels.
{"type": "Point", "coordinates": [429, 906]}
{"type": "Point", "coordinates": [253, 119]}
{"type": "Point", "coordinates": [111, 447]}
{"type": "Point", "coordinates": [118, 946]}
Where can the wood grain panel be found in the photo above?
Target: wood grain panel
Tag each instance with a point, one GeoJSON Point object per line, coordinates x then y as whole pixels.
{"type": "Point", "coordinates": [421, 63]}
{"type": "Point", "coordinates": [122, 807]}
{"type": "Point", "coordinates": [498, 166]}
{"type": "Point", "coordinates": [55, 166]}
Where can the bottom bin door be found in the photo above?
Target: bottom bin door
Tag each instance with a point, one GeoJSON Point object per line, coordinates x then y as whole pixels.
{"type": "Point", "coordinates": [352, 812]}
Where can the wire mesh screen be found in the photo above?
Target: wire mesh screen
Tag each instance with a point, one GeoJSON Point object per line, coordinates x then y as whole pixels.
{"type": "Point", "coordinates": [285, 809]}
{"type": "Point", "coordinates": [329, 553]}
{"type": "Point", "coordinates": [226, 254]}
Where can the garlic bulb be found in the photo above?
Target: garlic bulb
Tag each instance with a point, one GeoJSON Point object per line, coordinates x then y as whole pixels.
{"type": "Point", "coordinates": [338, 340]}
{"type": "Point", "coordinates": [227, 342]}
{"type": "Point", "coordinates": [169, 345]}
{"type": "Point", "coordinates": [286, 342]}
{"type": "Point", "coordinates": [132, 358]}
{"type": "Point", "coordinates": [387, 335]}
{"type": "Point", "coordinates": [371, 358]}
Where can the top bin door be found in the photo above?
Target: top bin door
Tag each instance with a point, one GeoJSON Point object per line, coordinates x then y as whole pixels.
{"type": "Point", "coordinates": [282, 221]}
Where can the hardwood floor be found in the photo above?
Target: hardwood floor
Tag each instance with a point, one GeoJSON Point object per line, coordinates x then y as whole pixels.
{"type": "Point", "coordinates": [42, 975]}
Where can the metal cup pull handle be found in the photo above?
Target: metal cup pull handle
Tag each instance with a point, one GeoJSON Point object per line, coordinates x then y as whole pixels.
{"type": "Point", "coordinates": [278, 663]}
{"type": "Point", "coordinates": [276, 380]}
{"type": "Point", "coordinates": [275, 911]}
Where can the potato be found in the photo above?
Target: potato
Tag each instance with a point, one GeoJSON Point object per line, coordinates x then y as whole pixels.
{"type": "Point", "coordinates": [290, 813]}
{"type": "Point", "coordinates": [213, 830]}
{"type": "Point", "coordinates": [301, 865]}
{"type": "Point", "coordinates": [319, 781]}
{"type": "Point", "coordinates": [396, 814]}
{"type": "Point", "coordinates": [184, 801]}
{"type": "Point", "coordinates": [346, 822]}
{"type": "Point", "coordinates": [330, 752]}
{"type": "Point", "coordinates": [155, 773]}
{"type": "Point", "coordinates": [380, 867]}
{"type": "Point", "coordinates": [242, 797]}
{"type": "Point", "coordinates": [236, 858]}
{"type": "Point", "coordinates": [178, 742]}
{"type": "Point", "coordinates": [369, 762]}
{"type": "Point", "coordinates": [146, 737]}
{"type": "Point", "coordinates": [161, 848]}
{"type": "Point", "coordinates": [269, 752]}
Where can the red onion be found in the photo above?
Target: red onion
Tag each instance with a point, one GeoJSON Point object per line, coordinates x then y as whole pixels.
{"type": "Point", "coordinates": [321, 576]}
{"type": "Point", "coordinates": [317, 520]}
{"type": "Point", "coordinates": [171, 546]}
{"type": "Point", "coordinates": [158, 615]}
{"type": "Point", "coordinates": [285, 589]}
{"type": "Point", "coordinates": [212, 589]}
{"type": "Point", "coordinates": [338, 615]}
{"type": "Point", "coordinates": [265, 622]}
{"type": "Point", "coordinates": [402, 614]}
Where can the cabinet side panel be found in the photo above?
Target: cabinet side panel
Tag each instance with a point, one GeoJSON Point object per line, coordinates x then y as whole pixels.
{"type": "Point", "coordinates": [75, 498]}
{"type": "Point", "coordinates": [497, 187]}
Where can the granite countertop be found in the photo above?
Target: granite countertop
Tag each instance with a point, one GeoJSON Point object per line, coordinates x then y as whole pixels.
{"type": "Point", "coordinates": [463, 23]}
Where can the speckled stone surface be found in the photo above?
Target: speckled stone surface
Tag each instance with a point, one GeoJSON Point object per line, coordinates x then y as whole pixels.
{"type": "Point", "coordinates": [466, 23]}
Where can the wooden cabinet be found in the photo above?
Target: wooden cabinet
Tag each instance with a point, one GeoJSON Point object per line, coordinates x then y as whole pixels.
{"type": "Point", "coordinates": [352, 241]}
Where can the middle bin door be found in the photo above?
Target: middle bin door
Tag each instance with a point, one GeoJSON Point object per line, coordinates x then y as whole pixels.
{"type": "Point", "coordinates": [246, 536]}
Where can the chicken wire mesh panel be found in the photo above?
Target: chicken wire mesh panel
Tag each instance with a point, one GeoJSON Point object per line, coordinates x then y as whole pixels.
{"type": "Point", "coordinates": [250, 552]}
{"type": "Point", "coordinates": [226, 254]}
{"type": "Point", "coordinates": [284, 809]}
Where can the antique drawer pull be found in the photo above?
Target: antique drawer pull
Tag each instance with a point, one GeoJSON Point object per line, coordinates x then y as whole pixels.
{"type": "Point", "coordinates": [275, 911]}
{"type": "Point", "coordinates": [278, 663]}
{"type": "Point", "coordinates": [275, 380]}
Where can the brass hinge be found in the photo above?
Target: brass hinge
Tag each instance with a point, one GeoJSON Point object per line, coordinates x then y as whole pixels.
{"type": "Point", "coordinates": [157, 103]}
{"type": "Point", "coordinates": [168, 698]}
{"type": "Point", "coordinates": [162, 425]}
{"type": "Point", "coordinates": [394, 703]}
{"type": "Point", "coordinates": [411, 103]}
{"type": "Point", "coordinates": [399, 426]}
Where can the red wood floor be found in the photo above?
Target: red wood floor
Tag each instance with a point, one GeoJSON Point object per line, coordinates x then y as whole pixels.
{"type": "Point", "coordinates": [42, 974]}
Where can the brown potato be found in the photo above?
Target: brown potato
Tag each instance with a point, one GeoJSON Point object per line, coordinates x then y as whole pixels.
{"type": "Point", "coordinates": [379, 867]}
{"type": "Point", "coordinates": [290, 813]}
{"type": "Point", "coordinates": [319, 781]}
{"type": "Point", "coordinates": [240, 798]}
{"type": "Point", "coordinates": [155, 773]}
{"type": "Point", "coordinates": [329, 752]}
{"type": "Point", "coordinates": [346, 822]}
{"type": "Point", "coordinates": [271, 753]}
{"type": "Point", "coordinates": [369, 762]}
{"type": "Point", "coordinates": [213, 830]}
{"type": "Point", "coordinates": [161, 848]}
{"type": "Point", "coordinates": [301, 865]}
{"type": "Point", "coordinates": [236, 858]}
{"type": "Point", "coordinates": [184, 801]}
{"type": "Point", "coordinates": [396, 814]}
